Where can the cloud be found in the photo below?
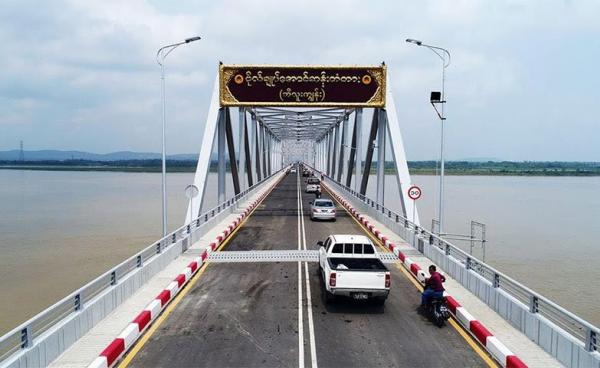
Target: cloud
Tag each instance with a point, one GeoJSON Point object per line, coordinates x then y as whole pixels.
{"type": "Point", "coordinates": [83, 75]}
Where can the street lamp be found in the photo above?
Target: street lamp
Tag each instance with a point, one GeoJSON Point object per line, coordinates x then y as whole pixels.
{"type": "Point", "coordinates": [444, 55]}
{"type": "Point", "coordinates": [161, 55]}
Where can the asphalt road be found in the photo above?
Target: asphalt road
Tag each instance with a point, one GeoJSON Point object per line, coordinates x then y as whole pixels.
{"type": "Point", "coordinates": [249, 315]}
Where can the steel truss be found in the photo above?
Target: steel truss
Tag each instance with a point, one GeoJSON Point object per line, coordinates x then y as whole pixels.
{"type": "Point", "coordinates": [330, 139]}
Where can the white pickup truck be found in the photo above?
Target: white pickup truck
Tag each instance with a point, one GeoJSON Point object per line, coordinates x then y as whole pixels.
{"type": "Point", "coordinates": [350, 266]}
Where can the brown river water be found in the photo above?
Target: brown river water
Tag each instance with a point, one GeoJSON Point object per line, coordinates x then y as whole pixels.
{"type": "Point", "coordinates": [59, 229]}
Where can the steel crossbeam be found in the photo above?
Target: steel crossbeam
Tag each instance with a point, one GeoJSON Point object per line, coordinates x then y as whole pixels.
{"type": "Point", "coordinates": [264, 256]}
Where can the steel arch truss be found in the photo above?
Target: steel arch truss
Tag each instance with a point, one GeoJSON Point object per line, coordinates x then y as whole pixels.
{"type": "Point", "coordinates": [333, 140]}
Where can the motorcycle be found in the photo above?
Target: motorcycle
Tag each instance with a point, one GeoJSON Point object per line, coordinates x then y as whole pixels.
{"type": "Point", "coordinates": [437, 311]}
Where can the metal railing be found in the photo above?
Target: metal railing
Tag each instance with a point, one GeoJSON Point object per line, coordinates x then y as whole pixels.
{"type": "Point", "coordinates": [580, 329]}
{"type": "Point", "coordinates": [23, 336]}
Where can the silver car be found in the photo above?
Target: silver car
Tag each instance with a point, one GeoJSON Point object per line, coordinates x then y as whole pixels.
{"type": "Point", "coordinates": [322, 209]}
{"type": "Point", "coordinates": [313, 185]}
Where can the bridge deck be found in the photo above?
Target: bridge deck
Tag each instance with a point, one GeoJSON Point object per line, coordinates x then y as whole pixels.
{"type": "Point", "coordinates": [251, 314]}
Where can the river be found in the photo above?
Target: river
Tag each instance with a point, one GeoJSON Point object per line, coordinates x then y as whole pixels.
{"type": "Point", "coordinates": [61, 229]}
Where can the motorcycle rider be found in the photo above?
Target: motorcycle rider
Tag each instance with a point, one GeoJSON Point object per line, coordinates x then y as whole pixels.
{"type": "Point", "coordinates": [433, 286]}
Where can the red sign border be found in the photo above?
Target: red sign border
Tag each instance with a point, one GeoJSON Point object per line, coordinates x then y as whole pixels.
{"type": "Point", "coordinates": [420, 192]}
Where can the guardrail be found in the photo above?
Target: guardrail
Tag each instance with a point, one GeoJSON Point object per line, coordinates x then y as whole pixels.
{"type": "Point", "coordinates": [23, 336]}
{"type": "Point", "coordinates": [583, 331]}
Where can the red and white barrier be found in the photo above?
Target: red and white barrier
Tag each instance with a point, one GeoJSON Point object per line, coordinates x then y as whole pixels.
{"type": "Point", "coordinates": [132, 332]}
{"type": "Point", "coordinates": [493, 345]}
{"type": "Point", "coordinates": [115, 350]}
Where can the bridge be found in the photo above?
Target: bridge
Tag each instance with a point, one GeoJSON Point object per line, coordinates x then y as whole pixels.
{"type": "Point", "coordinates": [239, 285]}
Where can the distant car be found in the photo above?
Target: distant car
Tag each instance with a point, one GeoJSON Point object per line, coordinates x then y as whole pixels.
{"type": "Point", "coordinates": [322, 209]}
{"type": "Point", "coordinates": [313, 185]}
{"type": "Point", "coordinates": [306, 173]}
{"type": "Point", "coordinates": [293, 170]}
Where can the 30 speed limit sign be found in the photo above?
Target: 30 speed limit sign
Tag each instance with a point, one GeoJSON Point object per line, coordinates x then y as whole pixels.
{"type": "Point", "coordinates": [414, 192]}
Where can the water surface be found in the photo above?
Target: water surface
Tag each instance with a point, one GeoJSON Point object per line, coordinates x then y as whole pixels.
{"type": "Point", "coordinates": [62, 229]}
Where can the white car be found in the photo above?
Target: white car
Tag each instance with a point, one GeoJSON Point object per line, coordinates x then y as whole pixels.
{"type": "Point", "coordinates": [293, 170]}
{"type": "Point", "coordinates": [351, 267]}
{"type": "Point", "coordinates": [322, 209]}
{"type": "Point", "coordinates": [313, 185]}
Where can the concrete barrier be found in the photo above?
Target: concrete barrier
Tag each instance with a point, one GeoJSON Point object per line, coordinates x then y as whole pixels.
{"type": "Point", "coordinates": [50, 344]}
{"type": "Point", "coordinates": [551, 337]}
{"type": "Point", "coordinates": [57, 339]}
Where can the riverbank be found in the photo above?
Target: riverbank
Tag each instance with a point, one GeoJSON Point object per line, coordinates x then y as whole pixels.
{"type": "Point", "coordinates": [504, 168]}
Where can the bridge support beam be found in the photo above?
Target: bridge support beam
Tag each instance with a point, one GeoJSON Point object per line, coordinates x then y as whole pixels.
{"type": "Point", "coordinates": [381, 135]}
{"type": "Point", "coordinates": [248, 155]}
{"type": "Point", "coordinates": [263, 150]}
{"type": "Point", "coordinates": [242, 148]}
{"type": "Point", "coordinates": [358, 150]}
{"type": "Point", "coordinates": [269, 148]}
{"type": "Point", "coordinates": [221, 155]}
{"type": "Point", "coordinates": [335, 134]}
{"type": "Point", "coordinates": [352, 155]}
{"type": "Point", "coordinates": [399, 157]}
{"type": "Point", "coordinates": [343, 145]}
{"type": "Point", "coordinates": [370, 148]}
{"type": "Point", "coordinates": [256, 147]}
{"type": "Point", "coordinates": [231, 149]}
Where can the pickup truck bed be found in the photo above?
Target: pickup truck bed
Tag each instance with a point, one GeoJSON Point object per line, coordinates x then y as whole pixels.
{"type": "Point", "coordinates": [356, 264]}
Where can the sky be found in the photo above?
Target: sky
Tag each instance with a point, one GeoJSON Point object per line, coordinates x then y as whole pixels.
{"type": "Point", "coordinates": [523, 83]}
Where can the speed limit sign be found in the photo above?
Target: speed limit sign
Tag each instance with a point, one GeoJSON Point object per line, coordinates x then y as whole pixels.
{"type": "Point", "coordinates": [414, 192]}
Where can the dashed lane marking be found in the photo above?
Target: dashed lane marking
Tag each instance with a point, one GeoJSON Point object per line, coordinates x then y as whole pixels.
{"type": "Point", "coordinates": [461, 331]}
{"type": "Point", "coordinates": [165, 314]}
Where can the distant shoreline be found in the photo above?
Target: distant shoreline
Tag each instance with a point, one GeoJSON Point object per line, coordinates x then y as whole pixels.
{"type": "Point", "coordinates": [457, 168]}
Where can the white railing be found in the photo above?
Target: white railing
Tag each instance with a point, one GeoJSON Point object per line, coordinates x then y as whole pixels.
{"type": "Point", "coordinates": [23, 336]}
{"type": "Point", "coordinates": [582, 330]}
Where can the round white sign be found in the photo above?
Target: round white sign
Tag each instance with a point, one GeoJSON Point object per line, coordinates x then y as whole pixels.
{"type": "Point", "coordinates": [414, 192]}
{"type": "Point", "coordinates": [191, 191]}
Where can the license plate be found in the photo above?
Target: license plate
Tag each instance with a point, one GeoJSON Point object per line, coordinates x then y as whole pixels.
{"type": "Point", "coordinates": [360, 296]}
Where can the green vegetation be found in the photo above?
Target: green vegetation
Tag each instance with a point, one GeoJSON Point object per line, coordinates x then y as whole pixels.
{"type": "Point", "coordinates": [527, 168]}
{"type": "Point", "coordinates": [153, 165]}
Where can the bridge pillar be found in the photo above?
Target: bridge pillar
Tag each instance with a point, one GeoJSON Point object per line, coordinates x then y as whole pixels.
{"type": "Point", "coordinates": [343, 147]}
{"type": "Point", "coordinates": [221, 156]}
{"type": "Point", "coordinates": [370, 149]}
{"type": "Point", "coordinates": [231, 149]}
{"type": "Point", "coordinates": [248, 154]}
{"type": "Point", "coordinates": [255, 147]}
{"type": "Point", "coordinates": [352, 155]}
{"type": "Point", "coordinates": [241, 156]}
{"type": "Point", "coordinates": [399, 158]}
{"type": "Point", "coordinates": [358, 150]}
{"type": "Point", "coordinates": [336, 147]}
{"type": "Point", "coordinates": [381, 135]}
{"type": "Point", "coordinates": [263, 149]}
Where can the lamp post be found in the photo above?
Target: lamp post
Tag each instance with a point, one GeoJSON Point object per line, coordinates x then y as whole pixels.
{"type": "Point", "coordinates": [161, 55]}
{"type": "Point", "coordinates": [444, 55]}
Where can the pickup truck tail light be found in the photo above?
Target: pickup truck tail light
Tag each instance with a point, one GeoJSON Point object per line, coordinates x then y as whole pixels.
{"type": "Point", "coordinates": [332, 279]}
{"type": "Point", "coordinates": [388, 280]}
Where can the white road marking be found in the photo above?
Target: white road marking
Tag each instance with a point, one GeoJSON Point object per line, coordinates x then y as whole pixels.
{"type": "Point", "coordinates": [311, 326]}
{"type": "Point", "coordinates": [300, 313]}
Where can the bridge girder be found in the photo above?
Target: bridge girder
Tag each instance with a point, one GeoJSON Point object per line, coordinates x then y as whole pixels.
{"type": "Point", "coordinates": [271, 137]}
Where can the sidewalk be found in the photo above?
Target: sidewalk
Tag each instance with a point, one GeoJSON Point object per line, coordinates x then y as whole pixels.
{"type": "Point", "coordinates": [87, 348]}
{"type": "Point", "coordinates": [528, 351]}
